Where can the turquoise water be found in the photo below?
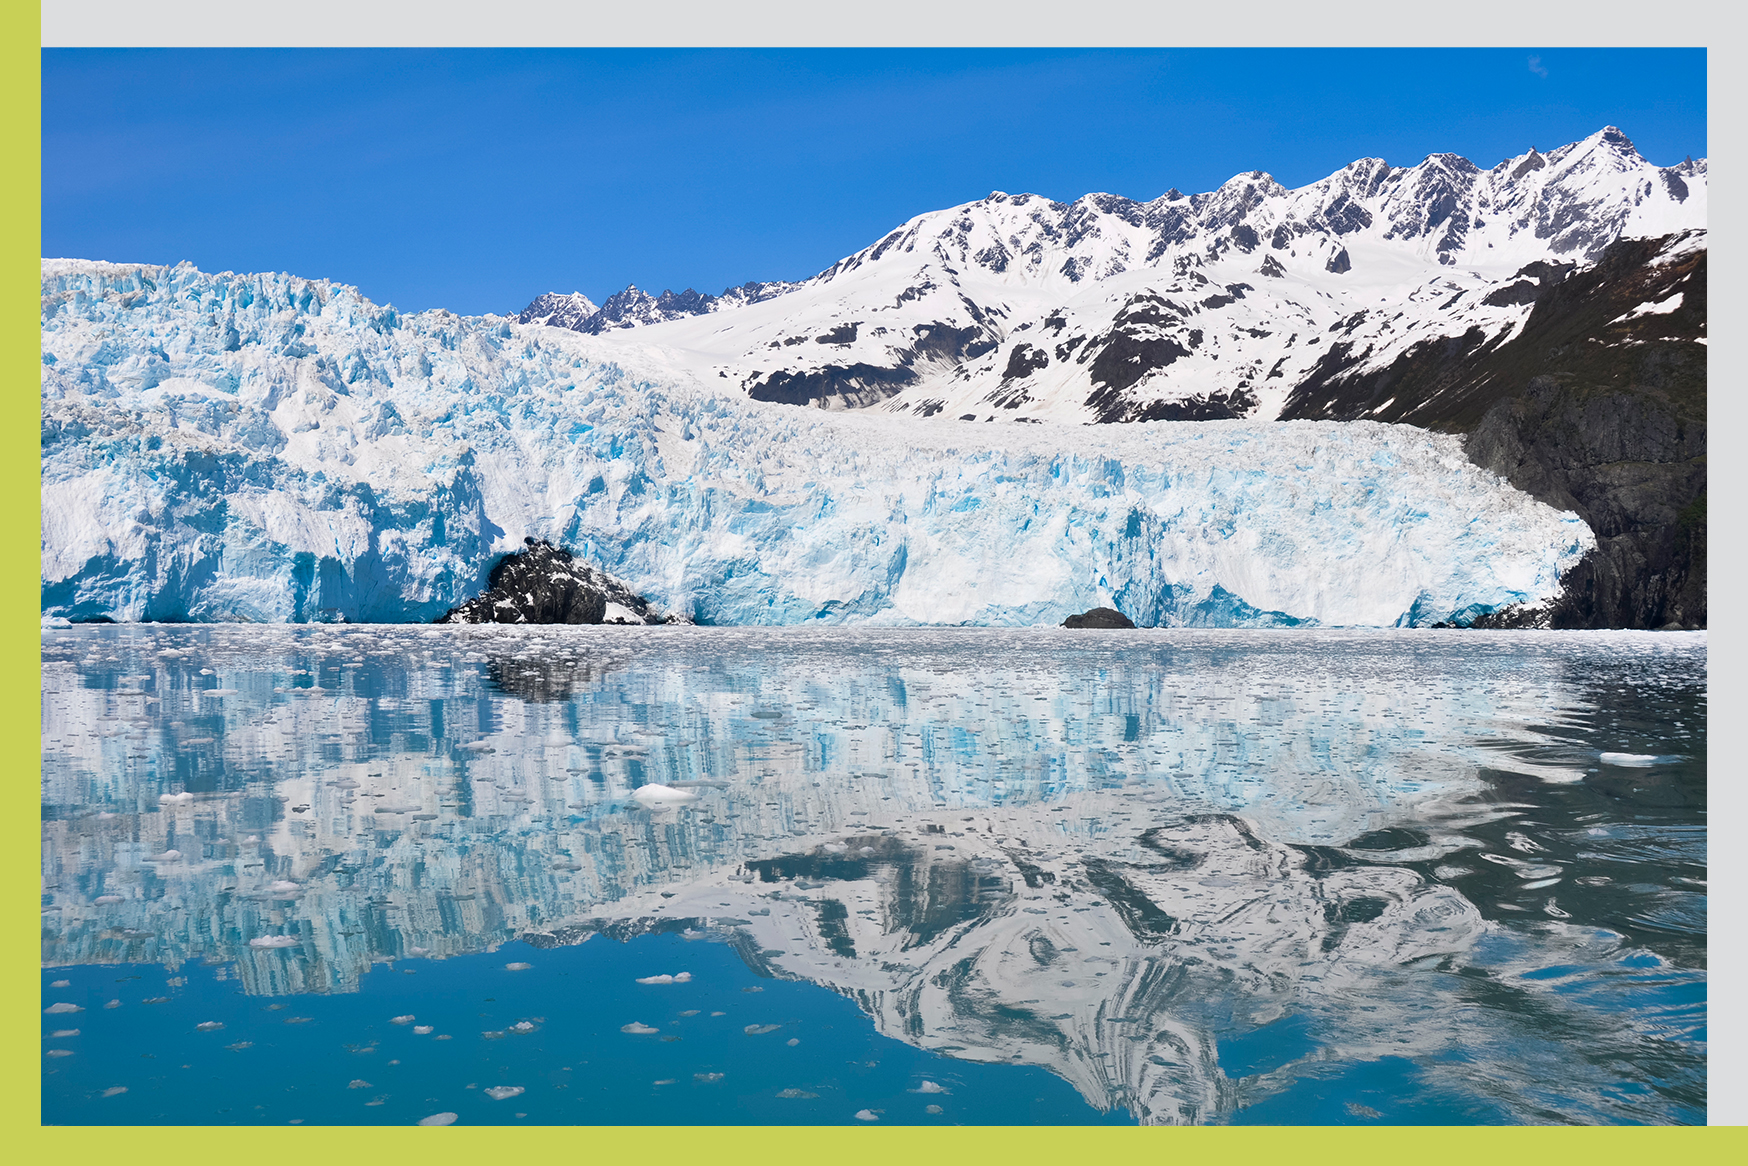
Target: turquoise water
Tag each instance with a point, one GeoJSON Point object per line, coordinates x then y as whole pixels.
{"type": "Point", "coordinates": [375, 874]}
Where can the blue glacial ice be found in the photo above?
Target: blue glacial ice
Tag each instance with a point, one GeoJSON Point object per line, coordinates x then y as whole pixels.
{"type": "Point", "coordinates": [270, 448]}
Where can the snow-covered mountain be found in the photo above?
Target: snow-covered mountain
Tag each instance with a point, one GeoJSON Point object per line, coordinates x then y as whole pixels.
{"type": "Point", "coordinates": [1188, 307]}
{"type": "Point", "coordinates": [268, 448]}
{"type": "Point", "coordinates": [631, 307]}
{"type": "Point", "coordinates": [561, 311]}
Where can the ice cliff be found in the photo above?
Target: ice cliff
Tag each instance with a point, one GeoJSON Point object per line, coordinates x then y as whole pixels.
{"type": "Point", "coordinates": [271, 448]}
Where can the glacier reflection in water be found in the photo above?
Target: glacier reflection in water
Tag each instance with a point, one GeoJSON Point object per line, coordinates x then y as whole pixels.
{"type": "Point", "coordinates": [1201, 876]}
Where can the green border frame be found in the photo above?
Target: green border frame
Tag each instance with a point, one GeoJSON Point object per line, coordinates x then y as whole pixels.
{"type": "Point", "coordinates": [20, 724]}
{"type": "Point", "coordinates": [21, 538]}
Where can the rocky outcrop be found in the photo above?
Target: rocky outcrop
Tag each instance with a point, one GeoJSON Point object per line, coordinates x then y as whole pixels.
{"type": "Point", "coordinates": [546, 584]}
{"type": "Point", "coordinates": [1099, 617]}
{"type": "Point", "coordinates": [1633, 464]}
{"type": "Point", "coordinates": [1598, 406]}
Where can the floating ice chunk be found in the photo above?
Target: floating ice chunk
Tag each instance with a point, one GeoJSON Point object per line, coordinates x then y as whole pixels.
{"type": "Point", "coordinates": [209, 1026]}
{"type": "Point", "coordinates": [1630, 760]}
{"type": "Point", "coordinates": [707, 1077]}
{"type": "Point", "coordinates": [656, 794]}
{"type": "Point", "coordinates": [682, 978]}
{"type": "Point", "coordinates": [500, 1092]}
{"type": "Point", "coordinates": [175, 799]}
{"type": "Point", "coordinates": [757, 1029]}
{"type": "Point", "coordinates": [517, 967]}
{"type": "Point", "coordinates": [358, 1083]}
{"type": "Point", "coordinates": [58, 1009]}
{"type": "Point", "coordinates": [422, 1029]}
{"type": "Point", "coordinates": [62, 984]}
{"type": "Point", "coordinates": [930, 1087]}
{"type": "Point", "coordinates": [407, 1019]}
{"type": "Point", "coordinates": [241, 1045]}
{"type": "Point", "coordinates": [63, 1033]}
{"type": "Point", "coordinates": [523, 1026]}
{"type": "Point", "coordinates": [115, 1090]}
{"type": "Point", "coordinates": [793, 1041]}
{"type": "Point", "coordinates": [272, 941]}
{"type": "Point", "coordinates": [113, 1004]}
{"type": "Point", "coordinates": [59, 1053]}
{"type": "Point", "coordinates": [638, 1028]}
{"type": "Point", "coordinates": [933, 1109]}
{"type": "Point", "coordinates": [802, 1093]}
{"type": "Point", "coordinates": [439, 1119]}
{"type": "Point", "coordinates": [867, 1115]}
{"type": "Point", "coordinates": [284, 887]}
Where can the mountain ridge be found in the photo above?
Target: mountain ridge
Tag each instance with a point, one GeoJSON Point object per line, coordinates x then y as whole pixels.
{"type": "Point", "coordinates": [1141, 300]}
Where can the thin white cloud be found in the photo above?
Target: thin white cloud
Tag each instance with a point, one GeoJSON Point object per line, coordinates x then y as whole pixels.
{"type": "Point", "coordinates": [1536, 67]}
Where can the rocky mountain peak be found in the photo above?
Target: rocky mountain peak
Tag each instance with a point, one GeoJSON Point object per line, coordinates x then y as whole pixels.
{"type": "Point", "coordinates": [1019, 307]}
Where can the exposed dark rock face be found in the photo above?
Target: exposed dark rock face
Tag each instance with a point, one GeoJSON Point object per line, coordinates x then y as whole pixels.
{"type": "Point", "coordinates": [849, 386]}
{"type": "Point", "coordinates": [545, 584]}
{"type": "Point", "coordinates": [1598, 406]}
{"type": "Point", "coordinates": [1099, 617]}
{"type": "Point", "coordinates": [1633, 465]}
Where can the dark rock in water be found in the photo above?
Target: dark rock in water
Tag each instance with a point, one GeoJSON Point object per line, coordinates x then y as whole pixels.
{"type": "Point", "coordinates": [547, 585]}
{"type": "Point", "coordinates": [1099, 617]}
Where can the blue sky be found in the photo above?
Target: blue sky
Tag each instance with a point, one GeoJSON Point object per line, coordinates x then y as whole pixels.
{"type": "Point", "coordinates": [476, 179]}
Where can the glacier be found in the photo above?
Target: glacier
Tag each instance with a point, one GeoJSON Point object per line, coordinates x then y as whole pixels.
{"type": "Point", "coordinates": [263, 447]}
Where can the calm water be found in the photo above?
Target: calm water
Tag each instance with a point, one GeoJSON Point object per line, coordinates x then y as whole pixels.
{"type": "Point", "coordinates": [688, 875]}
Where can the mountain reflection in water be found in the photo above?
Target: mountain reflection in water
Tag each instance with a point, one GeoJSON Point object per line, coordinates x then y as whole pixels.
{"type": "Point", "coordinates": [1134, 859]}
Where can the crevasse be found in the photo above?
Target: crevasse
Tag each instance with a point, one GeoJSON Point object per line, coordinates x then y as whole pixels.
{"type": "Point", "coordinates": [270, 448]}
